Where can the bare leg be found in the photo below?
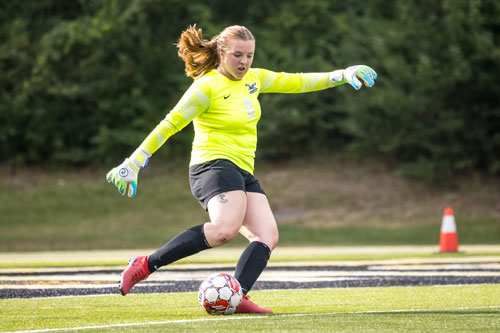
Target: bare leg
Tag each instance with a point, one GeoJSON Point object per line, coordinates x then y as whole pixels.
{"type": "Point", "coordinates": [227, 212]}
{"type": "Point", "coordinates": [260, 228]}
{"type": "Point", "coordinates": [260, 224]}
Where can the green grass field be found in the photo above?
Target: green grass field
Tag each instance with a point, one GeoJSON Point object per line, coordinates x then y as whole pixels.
{"type": "Point", "coordinates": [453, 308]}
{"type": "Point", "coordinates": [416, 309]}
{"type": "Point", "coordinates": [320, 202]}
{"type": "Point", "coordinates": [53, 219]}
{"type": "Point", "coordinates": [229, 255]}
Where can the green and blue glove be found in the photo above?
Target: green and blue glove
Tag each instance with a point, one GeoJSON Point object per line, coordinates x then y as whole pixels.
{"type": "Point", "coordinates": [124, 176]}
{"type": "Point", "coordinates": [352, 75]}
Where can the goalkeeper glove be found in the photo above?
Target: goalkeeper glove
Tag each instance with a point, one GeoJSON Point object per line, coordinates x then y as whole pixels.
{"type": "Point", "coordinates": [124, 176]}
{"type": "Point", "coordinates": [352, 75]}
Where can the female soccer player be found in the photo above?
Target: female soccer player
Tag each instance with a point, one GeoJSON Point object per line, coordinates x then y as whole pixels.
{"type": "Point", "coordinates": [223, 106]}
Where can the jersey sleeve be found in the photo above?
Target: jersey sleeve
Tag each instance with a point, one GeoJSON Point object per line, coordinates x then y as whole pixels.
{"type": "Point", "coordinates": [273, 82]}
{"type": "Point", "coordinates": [195, 101]}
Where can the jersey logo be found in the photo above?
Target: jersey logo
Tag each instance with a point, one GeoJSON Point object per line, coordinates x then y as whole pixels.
{"type": "Point", "coordinates": [251, 87]}
{"type": "Point", "coordinates": [226, 97]}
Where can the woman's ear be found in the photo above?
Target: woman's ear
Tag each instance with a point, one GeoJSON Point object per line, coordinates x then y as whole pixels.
{"type": "Point", "coordinates": [221, 54]}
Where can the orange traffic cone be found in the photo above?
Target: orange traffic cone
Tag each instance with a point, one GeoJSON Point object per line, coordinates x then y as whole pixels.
{"type": "Point", "coordinates": [448, 241]}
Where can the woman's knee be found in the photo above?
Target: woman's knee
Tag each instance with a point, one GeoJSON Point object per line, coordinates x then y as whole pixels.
{"type": "Point", "coordinates": [270, 237]}
{"type": "Point", "coordinates": [218, 234]}
{"type": "Point", "coordinates": [225, 236]}
{"type": "Point", "coordinates": [273, 239]}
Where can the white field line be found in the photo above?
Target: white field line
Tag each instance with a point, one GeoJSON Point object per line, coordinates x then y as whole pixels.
{"type": "Point", "coordinates": [275, 289]}
{"type": "Point", "coordinates": [180, 321]}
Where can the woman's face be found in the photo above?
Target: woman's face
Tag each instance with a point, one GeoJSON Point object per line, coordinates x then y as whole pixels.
{"type": "Point", "coordinates": [236, 59]}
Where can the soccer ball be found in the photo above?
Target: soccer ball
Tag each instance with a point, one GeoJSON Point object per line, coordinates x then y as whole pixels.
{"type": "Point", "coordinates": [220, 293]}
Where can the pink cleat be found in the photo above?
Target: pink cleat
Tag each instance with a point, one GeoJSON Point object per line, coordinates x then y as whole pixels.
{"type": "Point", "coordinates": [247, 306]}
{"type": "Point", "coordinates": [136, 271]}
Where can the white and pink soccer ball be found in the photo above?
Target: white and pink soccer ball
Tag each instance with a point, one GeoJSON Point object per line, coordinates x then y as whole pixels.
{"type": "Point", "coordinates": [220, 293]}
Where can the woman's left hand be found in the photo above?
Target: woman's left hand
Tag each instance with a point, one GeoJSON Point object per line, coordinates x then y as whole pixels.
{"type": "Point", "coordinates": [354, 73]}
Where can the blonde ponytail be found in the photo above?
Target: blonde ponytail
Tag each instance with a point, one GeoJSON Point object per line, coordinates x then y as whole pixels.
{"type": "Point", "coordinates": [200, 55]}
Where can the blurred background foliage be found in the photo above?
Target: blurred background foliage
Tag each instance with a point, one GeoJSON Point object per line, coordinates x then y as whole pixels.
{"type": "Point", "coordinates": [84, 82]}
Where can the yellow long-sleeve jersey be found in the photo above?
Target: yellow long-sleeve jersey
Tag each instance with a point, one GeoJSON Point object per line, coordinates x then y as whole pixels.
{"type": "Point", "coordinates": [225, 114]}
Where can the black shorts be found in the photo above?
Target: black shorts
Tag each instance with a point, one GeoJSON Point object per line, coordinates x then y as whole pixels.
{"type": "Point", "coordinates": [218, 176]}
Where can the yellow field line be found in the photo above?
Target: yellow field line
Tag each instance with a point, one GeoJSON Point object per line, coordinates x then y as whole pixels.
{"type": "Point", "coordinates": [231, 254]}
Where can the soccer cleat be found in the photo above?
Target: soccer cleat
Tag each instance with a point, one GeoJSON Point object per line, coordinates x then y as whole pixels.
{"type": "Point", "coordinates": [136, 271]}
{"type": "Point", "coordinates": [247, 306]}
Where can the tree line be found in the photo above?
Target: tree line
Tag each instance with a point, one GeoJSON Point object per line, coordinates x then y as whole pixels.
{"type": "Point", "coordinates": [83, 82]}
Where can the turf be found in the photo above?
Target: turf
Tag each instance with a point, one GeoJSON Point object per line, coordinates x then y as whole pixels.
{"type": "Point", "coordinates": [418, 309]}
{"type": "Point", "coordinates": [229, 255]}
